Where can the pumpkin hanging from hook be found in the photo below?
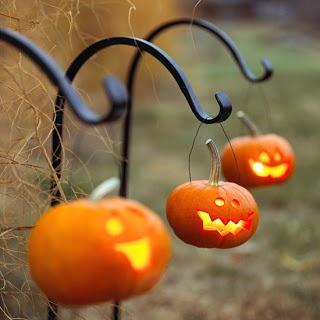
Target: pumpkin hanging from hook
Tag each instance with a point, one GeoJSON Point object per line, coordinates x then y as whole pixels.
{"type": "Point", "coordinates": [257, 160]}
{"type": "Point", "coordinates": [212, 213]}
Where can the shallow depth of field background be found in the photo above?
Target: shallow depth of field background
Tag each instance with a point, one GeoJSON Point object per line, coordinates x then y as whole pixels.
{"type": "Point", "coordinates": [277, 274]}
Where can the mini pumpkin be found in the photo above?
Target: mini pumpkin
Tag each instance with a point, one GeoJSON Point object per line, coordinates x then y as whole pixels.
{"type": "Point", "coordinates": [257, 160]}
{"type": "Point", "coordinates": [83, 252]}
{"type": "Point", "coordinates": [212, 213]}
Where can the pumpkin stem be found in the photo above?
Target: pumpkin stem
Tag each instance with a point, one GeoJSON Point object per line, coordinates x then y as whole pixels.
{"type": "Point", "coordinates": [104, 188]}
{"type": "Point", "coordinates": [248, 123]}
{"type": "Point", "coordinates": [215, 163]}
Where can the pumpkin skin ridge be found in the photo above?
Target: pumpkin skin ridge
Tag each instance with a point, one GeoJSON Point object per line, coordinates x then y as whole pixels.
{"type": "Point", "coordinates": [99, 248]}
{"type": "Point", "coordinates": [240, 171]}
{"type": "Point", "coordinates": [183, 229]}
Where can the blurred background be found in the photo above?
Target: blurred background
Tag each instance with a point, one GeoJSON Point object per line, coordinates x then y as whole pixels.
{"type": "Point", "coordinates": [276, 275]}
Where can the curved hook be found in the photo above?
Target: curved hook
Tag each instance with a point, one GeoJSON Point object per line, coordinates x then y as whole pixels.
{"type": "Point", "coordinates": [114, 89]}
{"type": "Point", "coordinates": [222, 99]}
{"type": "Point", "coordinates": [226, 40]}
{"type": "Point", "coordinates": [225, 107]}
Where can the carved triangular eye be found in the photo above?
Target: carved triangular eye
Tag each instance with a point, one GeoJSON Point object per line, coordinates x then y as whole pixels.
{"type": "Point", "coordinates": [277, 157]}
{"type": "Point", "coordinates": [235, 203]}
{"type": "Point", "coordinates": [114, 227]}
{"type": "Point", "coordinates": [264, 157]}
{"type": "Point", "coordinates": [219, 202]}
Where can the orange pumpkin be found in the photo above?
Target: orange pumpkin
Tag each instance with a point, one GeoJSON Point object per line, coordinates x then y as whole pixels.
{"type": "Point", "coordinates": [85, 252]}
{"type": "Point", "coordinates": [211, 213]}
{"type": "Point", "coordinates": [257, 160]}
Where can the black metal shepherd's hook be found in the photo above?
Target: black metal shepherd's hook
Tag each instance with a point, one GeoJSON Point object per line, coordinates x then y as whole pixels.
{"type": "Point", "coordinates": [217, 33]}
{"type": "Point", "coordinates": [223, 100]}
{"type": "Point", "coordinates": [143, 45]}
{"type": "Point", "coordinates": [202, 24]}
{"type": "Point", "coordinates": [115, 90]}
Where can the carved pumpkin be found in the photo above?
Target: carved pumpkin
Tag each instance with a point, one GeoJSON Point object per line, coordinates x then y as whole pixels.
{"type": "Point", "coordinates": [212, 213]}
{"type": "Point", "coordinates": [84, 251]}
{"type": "Point", "coordinates": [257, 160]}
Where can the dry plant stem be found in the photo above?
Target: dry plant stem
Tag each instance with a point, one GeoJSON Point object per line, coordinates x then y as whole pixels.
{"type": "Point", "coordinates": [7, 230]}
{"type": "Point", "coordinates": [248, 123]}
{"type": "Point", "coordinates": [26, 99]}
{"type": "Point", "coordinates": [42, 148]}
{"type": "Point", "coordinates": [215, 163]}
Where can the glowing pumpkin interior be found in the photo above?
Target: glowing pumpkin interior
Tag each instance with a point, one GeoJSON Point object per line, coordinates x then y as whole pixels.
{"type": "Point", "coordinates": [137, 252]}
{"type": "Point", "coordinates": [263, 168]}
{"type": "Point", "coordinates": [233, 227]}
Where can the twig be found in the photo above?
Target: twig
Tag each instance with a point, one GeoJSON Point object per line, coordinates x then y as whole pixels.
{"type": "Point", "coordinates": [7, 230]}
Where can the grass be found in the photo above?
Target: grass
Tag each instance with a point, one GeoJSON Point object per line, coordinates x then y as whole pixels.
{"type": "Point", "coordinates": [275, 276]}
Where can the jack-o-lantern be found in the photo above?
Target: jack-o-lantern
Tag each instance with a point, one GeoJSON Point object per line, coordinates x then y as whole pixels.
{"type": "Point", "coordinates": [85, 251]}
{"type": "Point", "coordinates": [212, 213]}
{"type": "Point", "coordinates": [257, 160]}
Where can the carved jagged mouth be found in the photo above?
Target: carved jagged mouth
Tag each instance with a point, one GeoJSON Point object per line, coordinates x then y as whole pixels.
{"type": "Point", "coordinates": [224, 229]}
{"type": "Point", "coordinates": [137, 252]}
{"type": "Point", "coordinates": [262, 170]}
